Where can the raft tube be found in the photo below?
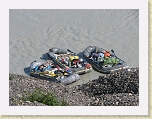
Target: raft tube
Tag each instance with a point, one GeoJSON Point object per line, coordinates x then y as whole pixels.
{"type": "Point", "coordinates": [56, 50]}
{"type": "Point", "coordinates": [53, 52]}
{"type": "Point", "coordinates": [87, 53]}
{"type": "Point", "coordinates": [70, 79]}
{"type": "Point", "coordinates": [34, 64]}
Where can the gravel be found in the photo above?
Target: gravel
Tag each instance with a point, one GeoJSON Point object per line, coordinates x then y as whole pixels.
{"type": "Point", "coordinates": [119, 88]}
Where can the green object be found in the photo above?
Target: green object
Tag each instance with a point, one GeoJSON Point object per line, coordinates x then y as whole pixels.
{"type": "Point", "coordinates": [110, 60]}
{"type": "Point", "coordinates": [44, 97]}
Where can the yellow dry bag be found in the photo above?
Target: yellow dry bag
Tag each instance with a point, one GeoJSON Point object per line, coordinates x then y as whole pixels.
{"type": "Point", "coordinates": [74, 57]}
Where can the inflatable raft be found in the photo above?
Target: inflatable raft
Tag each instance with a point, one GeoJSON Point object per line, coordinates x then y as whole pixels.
{"type": "Point", "coordinates": [51, 71]}
{"type": "Point", "coordinates": [69, 60]}
{"type": "Point", "coordinates": [102, 60]}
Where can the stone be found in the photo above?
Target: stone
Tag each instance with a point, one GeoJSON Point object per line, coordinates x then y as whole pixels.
{"type": "Point", "coordinates": [117, 88]}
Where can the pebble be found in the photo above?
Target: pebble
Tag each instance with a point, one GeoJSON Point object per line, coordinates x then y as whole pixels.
{"type": "Point", "coordinates": [119, 88]}
{"type": "Point", "coordinates": [117, 103]}
{"type": "Point", "coordinates": [128, 69]}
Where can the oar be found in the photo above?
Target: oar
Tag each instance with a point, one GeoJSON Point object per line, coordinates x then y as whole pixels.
{"type": "Point", "coordinates": [114, 53]}
{"type": "Point", "coordinates": [71, 51]}
{"type": "Point", "coordinates": [116, 56]}
{"type": "Point", "coordinates": [74, 53]}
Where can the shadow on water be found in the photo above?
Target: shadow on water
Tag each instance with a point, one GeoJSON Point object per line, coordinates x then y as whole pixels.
{"type": "Point", "coordinates": [44, 57]}
{"type": "Point", "coordinates": [27, 70]}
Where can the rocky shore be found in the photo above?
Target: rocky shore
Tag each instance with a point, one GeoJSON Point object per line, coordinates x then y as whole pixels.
{"type": "Point", "coordinates": [119, 88]}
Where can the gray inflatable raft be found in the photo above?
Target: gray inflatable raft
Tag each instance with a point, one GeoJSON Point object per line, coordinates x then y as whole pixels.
{"type": "Point", "coordinates": [87, 53]}
{"type": "Point", "coordinates": [62, 58]}
{"type": "Point", "coordinates": [49, 73]}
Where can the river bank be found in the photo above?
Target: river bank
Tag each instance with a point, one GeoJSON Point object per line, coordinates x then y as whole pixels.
{"type": "Point", "coordinates": [119, 88]}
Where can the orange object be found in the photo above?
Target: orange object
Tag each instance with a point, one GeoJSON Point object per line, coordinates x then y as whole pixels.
{"type": "Point", "coordinates": [106, 53]}
{"type": "Point", "coordinates": [88, 66]}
